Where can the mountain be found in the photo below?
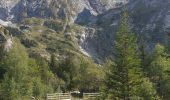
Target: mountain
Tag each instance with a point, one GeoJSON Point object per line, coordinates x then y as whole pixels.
{"type": "Point", "coordinates": [18, 9]}
{"type": "Point", "coordinates": [148, 18]}
{"type": "Point", "coordinates": [97, 19]}
{"type": "Point", "coordinates": [72, 11]}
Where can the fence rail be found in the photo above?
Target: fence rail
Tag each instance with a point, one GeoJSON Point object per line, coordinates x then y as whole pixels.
{"type": "Point", "coordinates": [91, 96]}
{"type": "Point", "coordinates": [67, 96]}
{"type": "Point", "coordinates": [59, 96]}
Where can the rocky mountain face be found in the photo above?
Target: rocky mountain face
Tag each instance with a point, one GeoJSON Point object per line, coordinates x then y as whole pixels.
{"type": "Point", "coordinates": [5, 39]}
{"type": "Point", "coordinates": [18, 9]}
{"type": "Point", "coordinates": [148, 18]}
{"type": "Point", "coordinates": [99, 19]}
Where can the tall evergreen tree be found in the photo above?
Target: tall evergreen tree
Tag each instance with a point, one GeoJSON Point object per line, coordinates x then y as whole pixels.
{"type": "Point", "coordinates": [144, 56]}
{"type": "Point", "coordinates": [158, 71]}
{"type": "Point", "coordinates": [125, 78]}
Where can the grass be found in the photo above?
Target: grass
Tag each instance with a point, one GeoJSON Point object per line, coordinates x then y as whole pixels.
{"type": "Point", "coordinates": [43, 39]}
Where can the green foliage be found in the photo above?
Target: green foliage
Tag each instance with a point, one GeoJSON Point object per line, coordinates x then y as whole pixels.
{"type": "Point", "coordinates": [16, 84]}
{"type": "Point", "coordinates": [32, 21]}
{"type": "Point", "coordinates": [78, 73]}
{"type": "Point", "coordinates": [28, 41]}
{"type": "Point", "coordinates": [14, 31]}
{"type": "Point", "coordinates": [159, 71]}
{"type": "Point", "coordinates": [125, 79]}
{"type": "Point", "coordinates": [54, 24]}
{"type": "Point", "coordinates": [23, 77]}
{"type": "Point", "coordinates": [90, 76]}
{"type": "Point", "coordinates": [39, 90]}
{"type": "Point", "coordinates": [144, 56]}
{"type": "Point", "coordinates": [43, 79]}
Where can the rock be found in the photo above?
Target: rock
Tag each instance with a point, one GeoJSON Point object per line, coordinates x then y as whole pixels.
{"type": "Point", "coordinates": [19, 9]}
{"type": "Point", "coordinates": [148, 19]}
{"type": "Point", "coordinates": [8, 45]}
{"type": "Point", "coordinates": [5, 39]}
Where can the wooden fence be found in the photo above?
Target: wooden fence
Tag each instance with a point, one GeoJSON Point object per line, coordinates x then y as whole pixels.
{"type": "Point", "coordinates": [91, 96]}
{"type": "Point", "coordinates": [67, 96]}
{"type": "Point", "coordinates": [59, 96]}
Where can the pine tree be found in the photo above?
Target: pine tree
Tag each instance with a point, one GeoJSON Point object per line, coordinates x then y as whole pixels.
{"type": "Point", "coordinates": [158, 71]}
{"type": "Point", "coordinates": [125, 78]}
{"type": "Point", "coordinates": [145, 60]}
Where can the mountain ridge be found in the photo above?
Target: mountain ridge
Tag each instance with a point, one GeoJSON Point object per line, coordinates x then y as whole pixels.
{"type": "Point", "coordinates": [149, 19]}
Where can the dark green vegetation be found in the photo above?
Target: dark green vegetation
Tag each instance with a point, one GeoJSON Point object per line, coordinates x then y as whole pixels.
{"type": "Point", "coordinates": [44, 60]}
{"type": "Point", "coordinates": [134, 73]}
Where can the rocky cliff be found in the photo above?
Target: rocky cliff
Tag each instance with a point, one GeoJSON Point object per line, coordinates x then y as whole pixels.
{"type": "Point", "coordinates": [18, 9]}
{"type": "Point", "coordinates": [148, 19]}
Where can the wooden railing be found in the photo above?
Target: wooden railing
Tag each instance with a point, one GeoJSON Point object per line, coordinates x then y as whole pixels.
{"type": "Point", "coordinates": [59, 96]}
{"type": "Point", "coordinates": [67, 96]}
{"type": "Point", "coordinates": [91, 96]}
